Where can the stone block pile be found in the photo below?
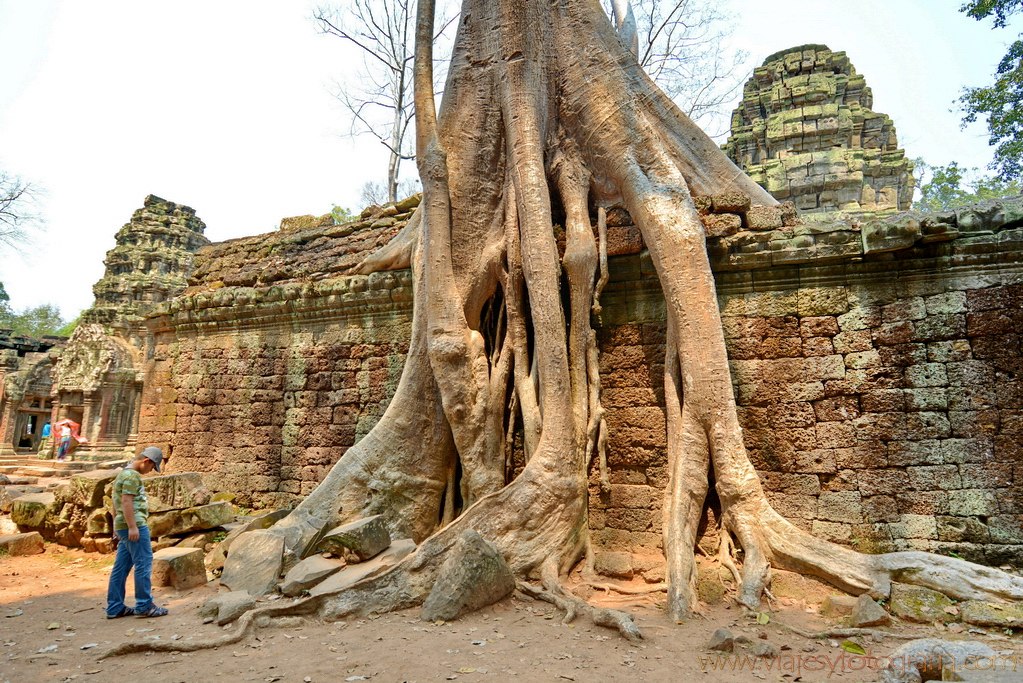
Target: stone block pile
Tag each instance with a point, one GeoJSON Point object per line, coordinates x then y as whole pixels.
{"type": "Point", "coordinates": [79, 513]}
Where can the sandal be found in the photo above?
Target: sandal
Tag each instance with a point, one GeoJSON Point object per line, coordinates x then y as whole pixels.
{"type": "Point", "coordinates": [153, 611]}
{"type": "Point", "coordinates": [125, 612]}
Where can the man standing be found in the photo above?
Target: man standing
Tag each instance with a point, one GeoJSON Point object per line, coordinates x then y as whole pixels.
{"type": "Point", "coordinates": [134, 551]}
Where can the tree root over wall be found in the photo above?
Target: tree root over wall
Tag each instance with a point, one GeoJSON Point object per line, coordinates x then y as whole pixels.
{"type": "Point", "coordinates": [546, 116]}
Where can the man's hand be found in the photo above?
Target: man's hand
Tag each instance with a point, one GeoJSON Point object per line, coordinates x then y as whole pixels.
{"type": "Point", "coordinates": [133, 533]}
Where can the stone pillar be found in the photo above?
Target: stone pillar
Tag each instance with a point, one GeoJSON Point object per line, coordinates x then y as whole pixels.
{"type": "Point", "coordinates": [89, 430]}
{"type": "Point", "coordinates": [136, 412]}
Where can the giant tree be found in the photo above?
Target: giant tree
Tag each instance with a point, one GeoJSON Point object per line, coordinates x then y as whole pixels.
{"type": "Point", "coordinates": [547, 113]}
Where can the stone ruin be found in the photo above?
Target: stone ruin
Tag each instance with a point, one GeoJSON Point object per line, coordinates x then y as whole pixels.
{"type": "Point", "coordinates": [805, 131]}
{"type": "Point", "coordinates": [96, 378]}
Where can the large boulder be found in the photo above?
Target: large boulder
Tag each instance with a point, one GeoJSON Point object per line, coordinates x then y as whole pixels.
{"type": "Point", "coordinates": [254, 563]}
{"type": "Point", "coordinates": [308, 573]}
{"type": "Point", "coordinates": [88, 488]}
{"type": "Point", "coordinates": [30, 543]}
{"type": "Point", "coordinates": [365, 537]}
{"type": "Point", "coordinates": [199, 518]}
{"type": "Point", "coordinates": [473, 576]}
{"type": "Point", "coordinates": [216, 558]}
{"type": "Point", "coordinates": [178, 567]}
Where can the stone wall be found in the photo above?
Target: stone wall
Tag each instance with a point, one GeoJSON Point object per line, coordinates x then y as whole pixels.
{"type": "Point", "coordinates": [876, 369]}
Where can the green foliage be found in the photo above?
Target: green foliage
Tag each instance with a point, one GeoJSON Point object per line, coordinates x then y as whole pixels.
{"type": "Point", "coordinates": [1002, 102]}
{"type": "Point", "coordinates": [34, 322]}
{"type": "Point", "coordinates": [67, 329]}
{"type": "Point", "coordinates": [949, 187]}
{"type": "Point", "coordinates": [342, 215]}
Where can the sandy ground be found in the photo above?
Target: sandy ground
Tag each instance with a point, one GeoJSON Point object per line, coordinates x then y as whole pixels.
{"type": "Point", "coordinates": [57, 598]}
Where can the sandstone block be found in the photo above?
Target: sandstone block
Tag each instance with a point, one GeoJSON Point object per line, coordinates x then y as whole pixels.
{"type": "Point", "coordinates": [227, 607]}
{"type": "Point", "coordinates": [176, 491]}
{"type": "Point", "coordinates": [922, 605]}
{"type": "Point", "coordinates": [99, 523]}
{"type": "Point", "coordinates": [473, 576]}
{"type": "Point", "coordinates": [721, 224]}
{"type": "Point", "coordinates": [764, 218]}
{"type": "Point", "coordinates": [254, 563]}
{"type": "Point", "coordinates": [730, 202]}
{"type": "Point", "coordinates": [181, 568]}
{"type": "Point", "coordinates": [365, 537]}
{"type": "Point", "coordinates": [30, 543]}
{"type": "Point", "coordinates": [87, 488]}
{"type": "Point", "coordinates": [615, 564]}
{"type": "Point", "coordinates": [200, 518]}
{"type": "Point", "coordinates": [30, 511]}
{"type": "Point", "coordinates": [308, 573]}
{"type": "Point", "coordinates": [838, 605]}
{"type": "Point", "coordinates": [998, 615]}
{"type": "Point", "coordinates": [866, 613]}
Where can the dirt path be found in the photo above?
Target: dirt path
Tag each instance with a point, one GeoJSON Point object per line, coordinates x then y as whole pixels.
{"type": "Point", "coordinates": [58, 599]}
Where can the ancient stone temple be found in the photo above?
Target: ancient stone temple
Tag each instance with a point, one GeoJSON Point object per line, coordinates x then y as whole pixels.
{"type": "Point", "coordinates": [805, 131]}
{"type": "Point", "coordinates": [25, 383]}
{"type": "Point", "coordinates": [96, 378]}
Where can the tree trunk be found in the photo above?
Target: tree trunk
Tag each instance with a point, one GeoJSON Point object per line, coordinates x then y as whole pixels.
{"type": "Point", "coordinates": [544, 108]}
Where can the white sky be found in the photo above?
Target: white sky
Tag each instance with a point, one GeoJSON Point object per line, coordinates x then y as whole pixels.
{"type": "Point", "coordinates": [226, 106]}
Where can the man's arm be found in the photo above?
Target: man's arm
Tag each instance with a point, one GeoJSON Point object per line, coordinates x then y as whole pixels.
{"type": "Point", "coordinates": [128, 510]}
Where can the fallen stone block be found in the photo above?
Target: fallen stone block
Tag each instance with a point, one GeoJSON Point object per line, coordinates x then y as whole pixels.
{"type": "Point", "coordinates": [227, 607]}
{"type": "Point", "coordinates": [87, 489]}
{"type": "Point", "coordinates": [866, 613]}
{"type": "Point", "coordinates": [9, 494]}
{"type": "Point", "coordinates": [30, 543]}
{"type": "Point", "coordinates": [922, 605]}
{"type": "Point", "coordinates": [218, 555]}
{"type": "Point", "coordinates": [178, 567]}
{"type": "Point", "coordinates": [473, 576]}
{"type": "Point", "coordinates": [838, 605]}
{"type": "Point", "coordinates": [198, 539]}
{"type": "Point", "coordinates": [30, 511]}
{"type": "Point", "coordinates": [105, 545]}
{"type": "Point", "coordinates": [999, 615]}
{"type": "Point", "coordinates": [308, 573]}
{"type": "Point", "coordinates": [354, 573]}
{"type": "Point", "coordinates": [201, 518]}
{"type": "Point", "coordinates": [99, 523]}
{"type": "Point", "coordinates": [176, 491]}
{"type": "Point", "coordinates": [254, 563]}
{"type": "Point", "coordinates": [365, 537]}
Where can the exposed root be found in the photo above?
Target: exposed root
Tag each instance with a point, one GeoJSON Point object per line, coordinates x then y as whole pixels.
{"type": "Point", "coordinates": [556, 595]}
{"type": "Point", "coordinates": [845, 633]}
{"type": "Point", "coordinates": [246, 623]}
{"type": "Point", "coordinates": [627, 590]}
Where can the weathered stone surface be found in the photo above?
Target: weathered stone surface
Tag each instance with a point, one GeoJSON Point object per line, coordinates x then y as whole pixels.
{"type": "Point", "coordinates": [176, 491]}
{"type": "Point", "coordinates": [722, 640]}
{"type": "Point", "coordinates": [838, 605]}
{"type": "Point", "coordinates": [172, 522]}
{"type": "Point", "coordinates": [87, 488]}
{"type": "Point", "coordinates": [30, 511]}
{"type": "Point", "coordinates": [474, 575]}
{"type": "Point", "coordinates": [99, 523]}
{"type": "Point", "coordinates": [8, 494]}
{"type": "Point", "coordinates": [805, 131]}
{"type": "Point", "coordinates": [923, 660]}
{"type": "Point", "coordinates": [30, 543]}
{"type": "Point", "coordinates": [179, 567]}
{"type": "Point", "coordinates": [919, 604]}
{"type": "Point", "coordinates": [254, 563]}
{"type": "Point", "coordinates": [866, 612]}
{"type": "Point", "coordinates": [353, 573]}
{"type": "Point", "coordinates": [227, 607]}
{"type": "Point", "coordinates": [1000, 615]}
{"type": "Point", "coordinates": [218, 555]}
{"type": "Point", "coordinates": [365, 537]}
{"type": "Point", "coordinates": [308, 573]}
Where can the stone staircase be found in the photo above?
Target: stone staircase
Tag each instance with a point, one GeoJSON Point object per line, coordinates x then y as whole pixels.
{"type": "Point", "coordinates": [22, 466]}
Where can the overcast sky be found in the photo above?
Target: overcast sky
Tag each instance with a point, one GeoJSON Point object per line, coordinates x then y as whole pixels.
{"type": "Point", "coordinates": [227, 106]}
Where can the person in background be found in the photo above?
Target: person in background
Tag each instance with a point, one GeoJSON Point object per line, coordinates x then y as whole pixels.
{"type": "Point", "coordinates": [46, 431]}
{"type": "Point", "coordinates": [134, 550]}
{"type": "Point", "coordinates": [65, 441]}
